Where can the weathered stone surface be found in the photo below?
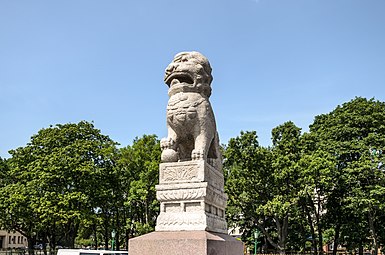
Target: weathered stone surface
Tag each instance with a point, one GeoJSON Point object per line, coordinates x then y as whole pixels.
{"type": "Point", "coordinates": [191, 124]}
{"type": "Point", "coordinates": [185, 243]}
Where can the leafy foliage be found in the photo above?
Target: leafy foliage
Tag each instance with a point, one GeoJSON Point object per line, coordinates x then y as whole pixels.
{"type": "Point", "coordinates": [140, 166]}
{"type": "Point", "coordinates": [261, 183]}
{"type": "Point", "coordinates": [327, 185]}
{"type": "Point", "coordinates": [54, 181]}
{"type": "Point", "coordinates": [354, 135]}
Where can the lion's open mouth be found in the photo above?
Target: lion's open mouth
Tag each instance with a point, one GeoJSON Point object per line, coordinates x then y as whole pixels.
{"type": "Point", "coordinates": [177, 78]}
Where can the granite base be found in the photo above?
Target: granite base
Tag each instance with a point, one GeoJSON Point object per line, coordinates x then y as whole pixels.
{"type": "Point", "coordinates": [185, 243]}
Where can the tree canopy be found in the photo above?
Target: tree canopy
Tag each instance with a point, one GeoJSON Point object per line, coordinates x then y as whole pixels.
{"type": "Point", "coordinates": [326, 185]}
{"type": "Point", "coordinates": [54, 180]}
{"type": "Point", "coordinates": [354, 134]}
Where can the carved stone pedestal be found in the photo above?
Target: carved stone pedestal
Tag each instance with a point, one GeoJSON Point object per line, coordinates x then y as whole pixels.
{"type": "Point", "coordinates": [191, 197]}
{"type": "Point", "coordinates": [185, 243]}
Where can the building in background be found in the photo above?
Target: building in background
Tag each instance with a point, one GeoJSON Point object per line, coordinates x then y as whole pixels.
{"type": "Point", "coordinates": [12, 240]}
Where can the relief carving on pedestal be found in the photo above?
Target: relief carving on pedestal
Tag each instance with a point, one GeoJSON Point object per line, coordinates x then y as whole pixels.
{"type": "Point", "coordinates": [181, 194]}
{"type": "Point", "coordinates": [175, 173]}
{"type": "Point", "coordinates": [180, 219]}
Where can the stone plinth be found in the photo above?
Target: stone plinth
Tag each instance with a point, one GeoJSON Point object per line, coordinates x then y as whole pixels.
{"type": "Point", "coordinates": [185, 243]}
{"type": "Point", "coordinates": [191, 197]}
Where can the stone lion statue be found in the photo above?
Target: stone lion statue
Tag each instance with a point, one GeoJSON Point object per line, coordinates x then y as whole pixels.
{"type": "Point", "coordinates": [191, 124]}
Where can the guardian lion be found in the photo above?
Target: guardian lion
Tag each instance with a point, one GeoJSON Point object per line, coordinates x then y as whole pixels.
{"type": "Point", "coordinates": [191, 124]}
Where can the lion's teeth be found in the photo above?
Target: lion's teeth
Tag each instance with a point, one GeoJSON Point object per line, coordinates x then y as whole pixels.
{"type": "Point", "coordinates": [175, 81]}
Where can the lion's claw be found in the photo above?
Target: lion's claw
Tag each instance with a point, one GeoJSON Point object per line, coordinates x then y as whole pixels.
{"type": "Point", "coordinates": [167, 143]}
{"type": "Point", "coordinates": [197, 154]}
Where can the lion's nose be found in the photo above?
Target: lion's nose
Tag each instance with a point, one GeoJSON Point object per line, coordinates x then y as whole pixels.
{"type": "Point", "coordinates": [171, 67]}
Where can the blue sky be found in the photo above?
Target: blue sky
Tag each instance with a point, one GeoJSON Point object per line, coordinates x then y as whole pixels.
{"type": "Point", "coordinates": [103, 61]}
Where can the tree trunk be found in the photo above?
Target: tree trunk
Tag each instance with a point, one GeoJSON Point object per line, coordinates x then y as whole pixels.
{"type": "Point", "coordinates": [73, 234]}
{"type": "Point", "coordinates": [45, 244]}
{"type": "Point", "coordinates": [31, 241]}
{"type": "Point", "coordinates": [267, 235]}
{"type": "Point", "coordinates": [337, 239]}
{"type": "Point", "coordinates": [320, 242]}
{"type": "Point", "coordinates": [318, 213]}
{"type": "Point", "coordinates": [52, 239]}
{"type": "Point", "coordinates": [94, 232]}
{"type": "Point", "coordinates": [282, 233]}
{"type": "Point", "coordinates": [95, 236]}
{"type": "Point", "coordinates": [117, 237]}
{"type": "Point", "coordinates": [106, 238]}
{"type": "Point", "coordinates": [312, 230]}
{"type": "Point", "coordinates": [146, 212]}
{"type": "Point", "coordinates": [373, 232]}
{"type": "Point", "coordinates": [127, 238]}
{"type": "Point", "coordinates": [361, 249]}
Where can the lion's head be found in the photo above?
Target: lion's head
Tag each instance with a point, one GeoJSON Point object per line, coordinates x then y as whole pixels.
{"type": "Point", "coordinates": [189, 72]}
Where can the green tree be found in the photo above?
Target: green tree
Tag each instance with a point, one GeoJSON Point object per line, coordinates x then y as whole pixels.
{"type": "Point", "coordinates": [139, 166]}
{"type": "Point", "coordinates": [261, 183]}
{"type": "Point", "coordinates": [17, 197]}
{"type": "Point", "coordinates": [246, 169]}
{"type": "Point", "coordinates": [56, 182]}
{"type": "Point", "coordinates": [286, 152]}
{"type": "Point", "coordinates": [354, 134]}
{"type": "Point", "coordinates": [316, 171]}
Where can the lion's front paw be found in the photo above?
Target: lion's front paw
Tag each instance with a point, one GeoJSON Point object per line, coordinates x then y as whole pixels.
{"type": "Point", "coordinates": [167, 143]}
{"type": "Point", "coordinates": [198, 154]}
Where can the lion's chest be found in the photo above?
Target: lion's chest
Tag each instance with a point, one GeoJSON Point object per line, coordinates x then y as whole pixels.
{"type": "Point", "coordinates": [182, 109]}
